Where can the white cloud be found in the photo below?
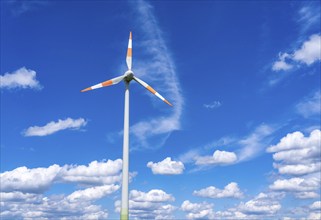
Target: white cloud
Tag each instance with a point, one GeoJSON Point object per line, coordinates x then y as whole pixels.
{"type": "Point", "coordinates": [158, 69]}
{"type": "Point", "coordinates": [281, 63]}
{"type": "Point", "coordinates": [230, 191]}
{"type": "Point", "coordinates": [96, 173]}
{"type": "Point", "coordinates": [308, 54]}
{"type": "Point", "coordinates": [33, 206]}
{"type": "Point", "coordinates": [21, 78]}
{"type": "Point", "coordinates": [53, 127]}
{"type": "Point", "coordinates": [296, 184]}
{"type": "Point", "coordinates": [149, 205]}
{"type": "Point", "coordinates": [297, 154]}
{"type": "Point", "coordinates": [166, 167]}
{"type": "Point", "coordinates": [262, 204]}
{"type": "Point", "coordinates": [296, 140]}
{"type": "Point", "coordinates": [310, 51]}
{"type": "Point", "coordinates": [19, 196]}
{"type": "Point", "coordinates": [92, 193]}
{"type": "Point", "coordinates": [22, 191]}
{"type": "Point", "coordinates": [155, 195]}
{"type": "Point", "coordinates": [314, 216]}
{"type": "Point", "coordinates": [202, 210]}
{"type": "Point", "coordinates": [298, 169]}
{"type": "Point", "coordinates": [315, 210]}
{"type": "Point", "coordinates": [316, 205]}
{"type": "Point", "coordinates": [218, 158]}
{"type": "Point", "coordinates": [36, 180]}
{"type": "Point", "coordinates": [306, 195]}
{"type": "Point", "coordinates": [213, 105]}
{"type": "Point", "coordinates": [310, 106]}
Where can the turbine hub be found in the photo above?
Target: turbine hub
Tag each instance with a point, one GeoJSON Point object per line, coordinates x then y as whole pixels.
{"type": "Point", "coordinates": [129, 75]}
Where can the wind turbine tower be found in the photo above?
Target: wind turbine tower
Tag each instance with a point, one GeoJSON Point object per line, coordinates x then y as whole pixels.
{"type": "Point", "coordinates": [127, 77]}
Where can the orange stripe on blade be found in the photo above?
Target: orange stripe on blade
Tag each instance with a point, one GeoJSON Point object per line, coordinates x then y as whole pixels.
{"type": "Point", "coordinates": [167, 102]}
{"type": "Point", "coordinates": [129, 52]}
{"type": "Point", "coordinates": [107, 83]}
{"type": "Point", "coordinates": [85, 90]}
{"type": "Point", "coordinates": [130, 35]}
{"type": "Point", "coordinates": [151, 89]}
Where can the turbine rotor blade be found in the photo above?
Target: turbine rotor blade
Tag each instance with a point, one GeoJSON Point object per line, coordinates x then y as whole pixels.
{"type": "Point", "coordinates": [149, 88]}
{"type": "Point", "coordinates": [105, 83]}
{"type": "Point", "coordinates": [129, 52]}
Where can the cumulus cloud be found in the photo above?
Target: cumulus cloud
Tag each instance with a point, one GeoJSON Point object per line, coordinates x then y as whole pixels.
{"type": "Point", "coordinates": [22, 191]}
{"type": "Point", "coordinates": [53, 127]}
{"type": "Point", "coordinates": [38, 180]}
{"type": "Point", "coordinates": [92, 193]}
{"type": "Point", "coordinates": [166, 167]}
{"type": "Point", "coordinates": [34, 206]}
{"type": "Point", "coordinates": [296, 184]}
{"type": "Point", "coordinates": [149, 205]}
{"type": "Point", "coordinates": [308, 54]}
{"type": "Point", "coordinates": [315, 210]}
{"type": "Point", "coordinates": [262, 204]}
{"type": "Point", "coordinates": [202, 210]}
{"type": "Point", "coordinates": [309, 51]}
{"type": "Point", "coordinates": [96, 173]}
{"type": "Point", "coordinates": [281, 63]}
{"type": "Point", "coordinates": [310, 106]}
{"type": "Point", "coordinates": [316, 206]}
{"type": "Point", "coordinates": [159, 69]}
{"type": "Point", "coordinates": [21, 78]}
{"type": "Point", "coordinates": [297, 154]}
{"type": "Point", "coordinates": [230, 191]}
{"type": "Point", "coordinates": [218, 158]}
{"type": "Point", "coordinates": [155, 195]}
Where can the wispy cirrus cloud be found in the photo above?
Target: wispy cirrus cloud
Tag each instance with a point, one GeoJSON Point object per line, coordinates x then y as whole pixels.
{"type": "Point", "coordinates": [308, 17]}
{"type": "Point", "coordinates": [245, 148]}
{"type": "Point", "coordinates": [19, 8]}
{"type": "Point", "coordinates": [310, 105]}
{"type": "Point", "coordinates": [53, 127]}
{"type": "Point", "coordinates": [158, 68]}
{"type": "Point", "coordinates": [21, 78]}
{"type": "Point", "coordinates": [213, 105]}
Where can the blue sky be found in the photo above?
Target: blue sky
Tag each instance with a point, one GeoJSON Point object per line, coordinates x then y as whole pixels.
{"type": "Point", "coordinates": [241, 141]}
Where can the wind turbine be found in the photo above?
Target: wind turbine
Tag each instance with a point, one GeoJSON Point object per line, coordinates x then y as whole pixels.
{"type": "Point", "coordinates": [127, 77]}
